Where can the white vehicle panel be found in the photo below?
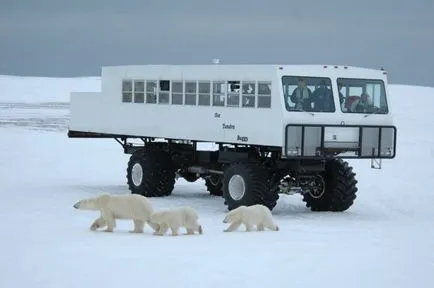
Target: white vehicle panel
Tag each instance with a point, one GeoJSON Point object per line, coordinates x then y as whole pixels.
{"type": "Point", "coordinates": [105, 112]}
{"type": "Point", "coordinates": [84, 109]}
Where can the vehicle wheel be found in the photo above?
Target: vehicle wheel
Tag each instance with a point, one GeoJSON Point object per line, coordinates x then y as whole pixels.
{"type": "Point", "coordinates": [214, 185]}
{"type": "Point", "coordinates": [336, 188]}
{"type": "Point", "coordinates": [245, 183]}
{"type": "Point", "coordinates": [273, 178]}
{"type": "Point", "coordinates": [150, 173]}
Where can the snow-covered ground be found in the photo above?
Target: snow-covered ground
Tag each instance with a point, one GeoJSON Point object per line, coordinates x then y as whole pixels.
{"type": "Point", "coordinates": [385, 240]}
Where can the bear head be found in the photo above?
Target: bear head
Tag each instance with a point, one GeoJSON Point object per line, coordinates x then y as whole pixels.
{"type": "Point", "coordinates": [93, 203]}
{"type": "Point", "coordinates": [233, 215]}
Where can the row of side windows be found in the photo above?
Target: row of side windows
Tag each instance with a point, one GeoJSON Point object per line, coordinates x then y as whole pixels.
{"type": "Point", "coordinates": [253, 94]}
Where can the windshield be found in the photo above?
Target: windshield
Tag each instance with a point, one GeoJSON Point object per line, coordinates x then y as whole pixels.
{"type": "Point", "coordinates": [362, 96]}
{"type": "Point", "coordinates": [310, 94]}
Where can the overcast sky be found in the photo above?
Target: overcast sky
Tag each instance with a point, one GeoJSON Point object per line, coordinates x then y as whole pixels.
{"type": "Point", "coordinates": [77, 37]}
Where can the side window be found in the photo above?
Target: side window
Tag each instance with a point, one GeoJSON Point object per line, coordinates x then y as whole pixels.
{"type": "Point", "coordinates": [204, 93]}
{"type": "Point", "coordinates": [362, 96]}
{"type": "Point", "coordinates": [139, 91]}
{"type": "Point", "coordinates": [264, 94]}
{"type": "Point", "coordinates": [233, 94]}
{"type": "Point", "coordinates": [190, 92]}
{"type": "Point", "coordinates": [127, 91]}
{"type": "Point", "coordinates": [248, 94]}
{"type": "Point", "coordinates": [218, 93]}
{"type": "Point", "coordinates": [177, 92]}
{"type": "Point", "coordinates": [314, 94]}
{"type": "Point", "coordinates": [151, 92]}
{"type": "Point", "coordinates": [163, 93]}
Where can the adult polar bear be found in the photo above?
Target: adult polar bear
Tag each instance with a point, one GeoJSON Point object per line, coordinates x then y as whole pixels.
{"type": "Point", "coordinates": [258, 215]}
{"type": "Point", "coordinates": [134, 207]}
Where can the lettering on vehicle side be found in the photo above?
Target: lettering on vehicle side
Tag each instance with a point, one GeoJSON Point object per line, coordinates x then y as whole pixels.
{"type": "Point", "coordinates": [228, 126]}
{"type": "Point", "coordinates": [217, 115]}
{"type": "Point", "coordinates": [242, 138]}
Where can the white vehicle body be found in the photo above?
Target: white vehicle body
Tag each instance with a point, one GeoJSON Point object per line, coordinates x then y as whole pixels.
{"type": "Point", "coordinates": [105, 112]}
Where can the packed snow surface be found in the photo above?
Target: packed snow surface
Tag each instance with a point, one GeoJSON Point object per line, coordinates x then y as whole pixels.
{"type": "Point", "coordinates": [385, 239]}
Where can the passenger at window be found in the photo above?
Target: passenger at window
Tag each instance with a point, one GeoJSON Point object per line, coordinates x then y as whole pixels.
{"type": "Point", "coordinates": [341, 96]}
{"type": "Point", "coordinates": [301, 96]}
{"type": "Point", "coordinates": [362, 105]}
{"type": "Point", "coordinates": [322, 98]}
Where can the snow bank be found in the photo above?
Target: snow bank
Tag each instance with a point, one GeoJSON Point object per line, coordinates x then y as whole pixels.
{"type": "Point", "coordinates": [42, 89]}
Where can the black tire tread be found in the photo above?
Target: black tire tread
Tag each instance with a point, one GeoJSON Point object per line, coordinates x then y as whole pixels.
{"type": "Point", "coordinates": [158, 173]}
{"type": "Point", "coordinates": [340, 191]}
{"type": "Point", "coordinates": [215, 190]}
{"type": "Point", "coordinates": [256, 178]}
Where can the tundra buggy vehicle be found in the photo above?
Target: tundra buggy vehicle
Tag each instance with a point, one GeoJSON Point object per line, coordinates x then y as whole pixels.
{"type": "Point", "coordinates": [250, 131]}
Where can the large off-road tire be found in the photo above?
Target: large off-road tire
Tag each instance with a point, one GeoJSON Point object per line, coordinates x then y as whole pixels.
{"type": "Point", "coordinates": [150, 173]}
{"type": "Point", "coordinates": [274, 177]}
{"type": "Point", "coordinates": [339, 190]}
{"type": "Point", "coordinates": [214, 185]}
{"type": "Point", "coordinates": [245, 183]}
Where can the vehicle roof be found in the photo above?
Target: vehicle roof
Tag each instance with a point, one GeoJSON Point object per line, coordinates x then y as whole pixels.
{"type": "Point", "coordinates": [256, 69]}
{"type": "Point", "coordinates": [246, 66]}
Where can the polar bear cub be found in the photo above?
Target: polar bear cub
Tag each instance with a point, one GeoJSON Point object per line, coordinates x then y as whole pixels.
{"type": "Point", "coordinates": [174, 219]}
{"type": "Point", "coordinates": [258, 215]}
{"type": "Point", "coordinates": [134, 207]}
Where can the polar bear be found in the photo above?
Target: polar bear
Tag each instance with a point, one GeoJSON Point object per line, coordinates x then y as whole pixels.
{"type": "Point", "coordinates": [174, 219]}
{"type": "Point", "coordinates": [112, 207]}
{"type": "Point", "coordinates": [258, 215]}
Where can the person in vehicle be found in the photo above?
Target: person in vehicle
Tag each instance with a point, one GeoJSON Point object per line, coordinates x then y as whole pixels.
{"type": "Point", "coordinates": [301, 96]}
{"type": "Point", "coordinates": [341, 96]}
{"type": "Point", "coordinates": [362, 104]}
{"type": "Point", "coordinates": [323, 98]}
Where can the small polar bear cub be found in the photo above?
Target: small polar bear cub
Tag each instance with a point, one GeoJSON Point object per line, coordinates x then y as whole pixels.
{"type": "Point", "coordinates": [174, 219]}
{"type": "Point", "coordinates": [258, 215]}
{"type": "Point", "coordinates": [112, 207]}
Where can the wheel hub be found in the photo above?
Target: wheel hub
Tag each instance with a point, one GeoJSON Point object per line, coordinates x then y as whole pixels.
{"type": "Point", "coordinates": [237, 187]}
{"type": "Point", "coordinates": [317, 187]}
{"type": "Point", "coordinates": [137, 174]}
{"type": "Point", "coordinates": [214, 180]}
